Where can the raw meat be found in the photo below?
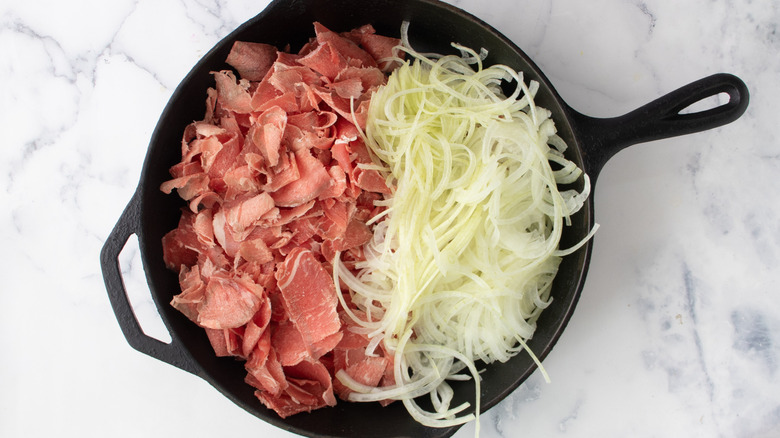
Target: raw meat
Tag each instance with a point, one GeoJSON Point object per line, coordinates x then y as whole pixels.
{"type": "Point", "coordinates": [275, 189]}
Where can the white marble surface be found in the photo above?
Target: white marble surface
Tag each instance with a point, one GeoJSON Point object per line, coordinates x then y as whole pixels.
{"type": "Point", "coordinates": [677, 333]}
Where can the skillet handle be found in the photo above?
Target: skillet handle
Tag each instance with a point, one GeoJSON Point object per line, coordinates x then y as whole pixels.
{"type": "Point", "coordinates": [661, 118]}
{"type": "Point", "coordinates": [129, 224]}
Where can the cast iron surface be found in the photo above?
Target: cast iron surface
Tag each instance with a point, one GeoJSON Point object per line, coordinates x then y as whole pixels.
{"type": "Point", "coordinates": [150, 213]}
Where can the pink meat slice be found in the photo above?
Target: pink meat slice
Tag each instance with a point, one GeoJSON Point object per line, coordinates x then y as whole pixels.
{"type": "Point", "coordinates": [324, 346]}
{"type": "Point", "coordinates": [288, 215]}
{"type": "Point", "coordinates": [287, 101]}
{"type": "Point", "coordinates": [229, 302]}
{"type": "Point", "coordinates": [371, 180]}
{"type": "Point", "coordinates": [176, 252]}
{"type": "Point", "coordinates": [292, 349]}
{"type": "Point", "coordinates": [284, 173]}
{"type": "Point", "coordinates": [325, 60]}
{"type": "Point", "coordinates": [286, 405]}
{"type": "Point", "coordinates": [315, 372]}
{"type": "Point", "coordinates": [351, 88]}
{"type": "Point", "coordinates": [242, 214]}
{"type": "Point", "coordinates": [335, 220]}
{"type": "Point", "coordinates": [240, 180]}
{"type": "Point", "coordinates": [369, 78]}
{"type": "Point", "coordinates": [380, 47]}
{"type": "Point", "coordinates": [225, 158]}
{"type": "Point", "coordinates": [264, 92]}
{"type": "Point", "coordinates": [298, 137]}
{"type": "Point", "coordinates": [255, 328]}
{"type": "Point", "coordinates": [203, 227]}
{"type": "Point", "coordinates": [266, 134]}
{"type": "Point", "coordinates": [309, 295]}
{"type": "Point", "coordinates": [251, 60]}
{"type": "Point", "coordinates": [344, 46]}
{"type": "Point", "coordinates": [265, 371]}
{"type": "Point", "coordinates": [317, 120]}
{"type": "Point", "coordinates": [188, 186]}
{"type": "Point", "coordinates": [193, 292]}
{"type": "Point", "coordinates": [367, 179]}
{"type": "Point", "coordinates": [218, 342]}
{"type": "Point", "coordinates": [229, 123]}
{"type": "Point", "coordinates": [286, 78]}
{"type": "Point", "coordinates": [313, 181]}
{"type": "Point", "coordinates": [338, 183]}
{"type": "Point", "coordinates": [303, 230]}
{"type": "Point", "coordinates": [223, 233]}
{"type": "Point", "coordinates": [182, 245]}
{"type": "Point", "coordinates": [225, 342]}
{"type": "Point", "coordinates": [185, 168]}
{"type": "Point", "coordinates": [341, 155]}
{"type": "Point", "coordinates": [255, 250]}
{"type": "Point", "coordinates": [289, 344]}
{"type": "Point", "coordinates": [368, 371]}
{"type": "Point", "coordinates": [307, 386]}
{"type": "Point", "coordinates": [208, 148]}
{"type": "Point", "coordinates": [350, 356]}
{"type": "Point", "coordinates": [233, 95]}
{"type": "Point", "coordinates": [356, 234]}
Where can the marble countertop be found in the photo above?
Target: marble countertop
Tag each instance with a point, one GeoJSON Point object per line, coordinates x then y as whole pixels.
{"type": "Point", "coordinates": [676, 333]}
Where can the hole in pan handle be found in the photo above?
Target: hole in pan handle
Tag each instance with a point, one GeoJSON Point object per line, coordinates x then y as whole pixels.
{"type": "Point", "coordinates": [662, 118]}
{"type": "Point", "coordinates": [128, 224]}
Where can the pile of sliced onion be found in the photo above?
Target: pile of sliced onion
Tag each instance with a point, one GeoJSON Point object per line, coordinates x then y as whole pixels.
{"type": "Point", "coordinates": [462, 260]}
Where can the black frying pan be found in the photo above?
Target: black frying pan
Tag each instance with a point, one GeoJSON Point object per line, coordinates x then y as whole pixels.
{"type": "Point", "coordinates": [434, 25]}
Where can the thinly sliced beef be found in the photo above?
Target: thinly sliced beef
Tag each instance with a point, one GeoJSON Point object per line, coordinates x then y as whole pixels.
{"type": "Point", "coordinates": [244, 213]}
{"type": "Point", "coordinates": [218, 342]}
{"type": "Point", "coordinates": [309, 296]}
{"type": "Point", "coordinates": [289, 215]}
{"type": "Point", "coordinates": [229, 302]}
{"type": "Point", "coordinates": [255, 250]}
{"type": "Point", "coordinates": [224, 159]}
{"type": "Point", "coordinates": [275, 183]}
{"type": "Point", "coordinates": [233, 95]}
{"type": "Point", "coordinates": [255, 328]}
{"type": "Point", "coordinates": [356, 234]}
{"type": "Point", "coordinates": [338, 183]}
{"type": "Point", "coordinates": [287, 77]}
{"type": "Point", "coordinates": [317, 378]}
{"type": "Point", "coordinates": [289, 344]}
{"type": "Point", "coordinates": [380, 47]}
{"type": "Point", "coordinates": [370, 370]}
{"type": "Point", "coordinates": [226, 342]}
{"type": "Point", "coordinates": [284, 173]}
{"type": "Point", "coordinates": [348, 49]}
{"type": "Point", "coordinates": [325, 345]}
{"type": "Point", "coordinates": [313, 181]}
{"type": "Point", "coordinates": [251, 60]}
{"type": "Point", "coordinates": [325, 60]}
{"type": "Point", "coordinates": [266, 134]}
{"type": "Point", "coordinates": [241, 180]}
{"type": "Point", "coordinates": [181, 245]}
{"type": "Point", "coordinates": [265, 371]}
{"type": "Point", "coordinates": [193, 292]}
{"type": "Point", "coordinates": [188, 186]}
{"type": "Point", "coordinates": [351, 88]}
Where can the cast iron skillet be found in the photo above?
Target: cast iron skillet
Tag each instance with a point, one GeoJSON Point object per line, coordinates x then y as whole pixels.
{"type": "Point", "coordinates": [434, 25]}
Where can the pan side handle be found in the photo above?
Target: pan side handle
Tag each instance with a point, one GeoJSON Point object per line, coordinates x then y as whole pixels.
{"type": "Point", "coordinates": [662, 118]}
{"type": "Point", "coordinates": [128, 224]}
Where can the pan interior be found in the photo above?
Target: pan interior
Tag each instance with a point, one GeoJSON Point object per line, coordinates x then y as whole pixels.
{"type": "Point", "coordinates": [433, 26]}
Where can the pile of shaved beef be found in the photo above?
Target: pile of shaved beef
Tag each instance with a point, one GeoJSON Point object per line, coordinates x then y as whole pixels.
{"type": "Point", "coordinates": [274, 191]}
